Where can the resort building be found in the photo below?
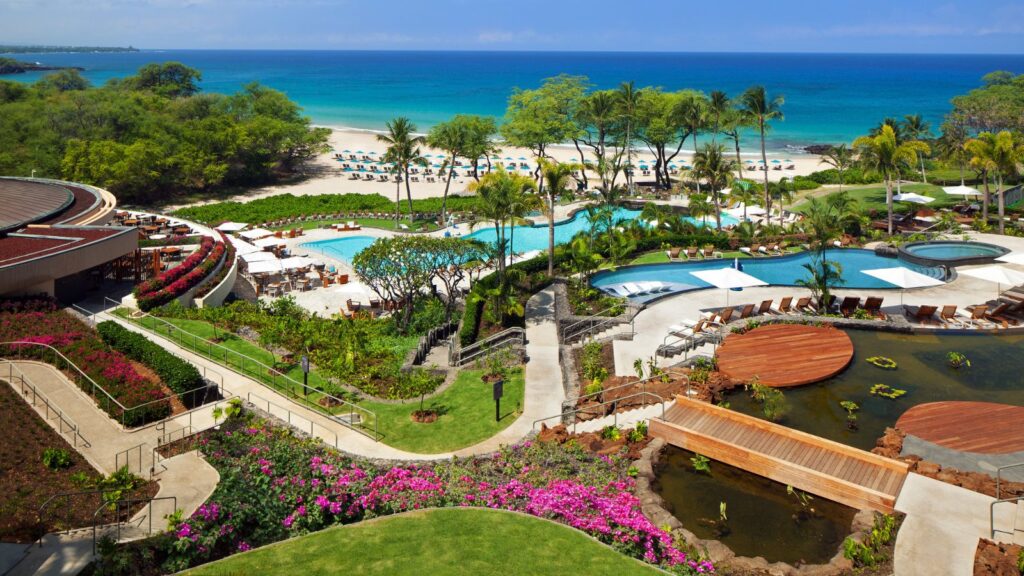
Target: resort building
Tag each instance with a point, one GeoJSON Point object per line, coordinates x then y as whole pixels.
{"type": "Point", "coordinates": [54, 238]}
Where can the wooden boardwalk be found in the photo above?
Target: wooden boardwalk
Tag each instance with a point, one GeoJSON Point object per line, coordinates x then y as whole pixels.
{"type": "Point", "coordinates": [822, 467]}
{"type": "Point", "coordinates": [982, 427]}
{"type": "Point", "coordinates": [782, 355]}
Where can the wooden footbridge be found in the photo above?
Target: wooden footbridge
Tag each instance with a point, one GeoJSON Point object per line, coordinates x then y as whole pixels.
{"type": "Point", "coordinates": [822, 467]}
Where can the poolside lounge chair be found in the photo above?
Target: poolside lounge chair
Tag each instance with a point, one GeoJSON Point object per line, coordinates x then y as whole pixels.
{"type": "Point", "coordinates": [924, 315]}
{"type": "Point", "coordinates": [633, 289]}
{"type": "Point", "coordinates": [999, 315]}
{"type": "Point", "coordinates": [873, 306]}
{"type": "Point", "coordinates": [720, 318]}
{"type": "Point", "coordinates": [804, 305]}
{"type": "Point", "coordinates": [849, 305]}
{"type": "Point", "coordinates": [762, 249]}
{"type": "Point", "coordinates": [977, 317]}
{"type": "Point", "coordinates": [691, 253]}
{"type": "Point", "coordinates": [784, 307]}
{"type": "Point", "coordinates": [710, 252]}
{"type": "Point", "coordinates": [764, 308]}
{"type": "Point", "coordinates": [650, 287]}
{"type": "Point", "coordinates": [947, 316]}
{"type": "Point", "coordinates": [684, 331]}
{"type": "Point", "coordinates": [673, 253]}
{"type": "Point", "coordinates": [748, 251]}
{"type": "Point", "coordinates": [746, 311]}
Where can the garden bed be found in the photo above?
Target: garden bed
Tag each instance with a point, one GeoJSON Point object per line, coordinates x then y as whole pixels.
{"type": "Point", "coordinates": [26, 482]}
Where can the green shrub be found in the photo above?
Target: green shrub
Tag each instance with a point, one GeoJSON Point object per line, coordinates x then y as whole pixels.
{"type": "Point", "coordinates": [177, 374]}
{"type": "Point", "coordinates": [56, 458]}
{"type": "Point", "coordinates": [868, 553]}
{"type": "Point", "coordinates": [852, 175]}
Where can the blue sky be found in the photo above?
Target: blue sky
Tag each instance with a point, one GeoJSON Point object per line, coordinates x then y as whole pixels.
{"type": "Point", "coordinates": [963, 26]}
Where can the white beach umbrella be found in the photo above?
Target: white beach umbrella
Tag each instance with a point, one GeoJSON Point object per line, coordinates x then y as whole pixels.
{"type": "Point", "coordinates": [258, 256]}
{"type": "Point", "coordinates": [296, 262]}
{"type": "Point", "coordinates": [912, 197]}
{"type": "Point", "coordinates": [232, 226]}
{"type": "Point", "coordinates": [255, 234]}
{"type": "Point", "coordinates": [263, 243]}
{"type": "Point", "coordinates": [265, 266]}
{"type": "Point", "coordinates": [242, 247]}
{"type": "Point", "coordinates": [962, 190]}
{"type": "Point", "coordinates": [728, 278]}
{"type": "Point", "coordinates": [1012, 258]}
{"type": "Point", "coordinates": [994, 273]}
{"type": "Point", "coordinates": [904, 278]}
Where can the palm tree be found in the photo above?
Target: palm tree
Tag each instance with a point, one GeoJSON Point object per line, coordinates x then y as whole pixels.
{"type": "Point", "coordinates": [822, 222]}
{"type": "Point", "coordinates": [897, 129]}
{"type": "Point", "coordinates": [743, 191]}
{"type": "Point", "coordinates": [1000, 155]}
{"type": "Point", "coordinates": [403, 149]}
{"type": "Point", "coordinates": [557, 177]}
{"type": "Point", "coordinates": [781, 191]}
{"type": "Point", "coordinates": [839, 157]}
{"type": "Point", "coordinates": [711, 164]}
{"type": "Point", "coordinates": [951, 145]}
{"type": "Point", "coordinates": [451, 138]}
{"type": "Point", "coordinates": [916, 128]}
{"type": "Point", "coordinates": [760, 111]}
{"type": "Point", "coordinates": [718, 104]}
{"type": "Point", "coordinates": [693, 110]}
{"type": "Point", "coordinates": [498, 193]}
{"type": "Point", "coordinates": [699, 206]}
{"type": "Point", "coordinates": [732, 122]}
{"type": "Point", "coordinates": [626, 99]}
{"type": "Point", "coordinates": [883, 154]}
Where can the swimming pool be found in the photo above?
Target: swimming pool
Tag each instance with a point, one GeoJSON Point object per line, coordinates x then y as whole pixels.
{"type": "Point", "coordinates": [950, 252]}
{"type": "Point", "coordinates": [527, 238]}
{"type": "Point", "coordinates": [779, 271]}
{"type": "Point", "coordinates": [340, 248]}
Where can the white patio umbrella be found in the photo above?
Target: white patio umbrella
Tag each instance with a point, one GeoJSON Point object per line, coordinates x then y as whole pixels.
{"type": "Point", "coordinates": [264, 243]}
{"type": "Point", "coordinates": [1012, 258]}
{"type": "Point", "coordinates": [728, 278]}
{"type": "Point", "coordinates": [995, 273]}
{"type": "Point", "coordinates": [296, 262]}
{"type": "Point", "coordinates": [962, 190]}
{"type": "Point", "coordinates": [904, 278]}
{"type": "Point", "coordinates": [258, 256]}
{"type": "Point", "coordinates": [265, 266]}
{"type": "Point", "coordinates": [232, 226]}
{"type": "Point", "coordinates": [913, 197]}
{"type": "Point", "coordinates": [255, 234]}
{"type": "Point", "coordinates": [242, 247]}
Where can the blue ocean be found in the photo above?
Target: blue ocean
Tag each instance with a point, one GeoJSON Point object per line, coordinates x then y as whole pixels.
{"type": "Point", "coordinates": [830, 98]}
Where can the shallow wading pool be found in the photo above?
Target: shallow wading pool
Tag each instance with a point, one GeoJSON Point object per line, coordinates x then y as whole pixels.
{"type": "Point", "coordinates": [950, 253]}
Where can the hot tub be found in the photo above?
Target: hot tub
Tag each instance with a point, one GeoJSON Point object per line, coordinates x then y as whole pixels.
{"type": "Point", "coordinates": [950, 253]}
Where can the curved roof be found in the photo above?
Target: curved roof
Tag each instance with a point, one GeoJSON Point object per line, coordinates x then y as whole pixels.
{"type": "Point", "coordinates": [44, 202]}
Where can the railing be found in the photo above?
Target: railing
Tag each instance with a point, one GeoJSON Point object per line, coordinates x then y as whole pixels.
{"type": "Point", "coordinates": [252, 368]}
{"type": "Point", "coordinates": [999, 476]}
{"type": "Point", "coordinates": [124, 458]}
{"type": "Point", "coordinates": [126, 505]}
{"type": "Point", "coordinates": [64, 422]}
{"type": "Point", "coordinates": [686, 344]}
{"type": "Point", "coordinates": [430, 339]}
{"type": "Point", "coordinates": [505, 338]}
{"type": "Point", "coordinates": [614, 403]}
{"type": "Point", "coordinates": [992, 516]}
{"type": "Point", "coordinates": [598, 322]}
{"type": "Point", "coordinates": [642, 382]}
{"type": "Point", "coordinates": [292, 418]}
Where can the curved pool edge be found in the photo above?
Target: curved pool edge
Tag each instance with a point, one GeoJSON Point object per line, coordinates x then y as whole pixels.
{"type": "Point", "coordinates": [903, 253]}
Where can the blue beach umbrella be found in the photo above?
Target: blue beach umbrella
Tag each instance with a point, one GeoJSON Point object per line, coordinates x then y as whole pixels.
{"type": "Point", "coordinates": [359, 152]}
{"type": "Point", "coordinates": [776, 162]}
{"type": "Point", "coordinates": [347, 151]}
{"type": "Point", "coordinates": [750, 161]}
{"type": "Point", "coordinates": [787, 160]}
{"type": "Point", "coordinates": [522, 158]}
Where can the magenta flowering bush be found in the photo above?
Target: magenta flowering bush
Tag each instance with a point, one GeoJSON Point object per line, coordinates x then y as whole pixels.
{"type": "Point", "coordinates": [275, 485]}
{"type": "Point", "coordinates": [180, 279]}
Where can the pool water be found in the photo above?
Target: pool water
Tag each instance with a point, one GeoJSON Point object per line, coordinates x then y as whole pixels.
{"type": "Point", "coordinates": [779, 271]}
{"type": "Point", "coordinates": [340, 248]}
{"type": "Point", "coordinates": [527, 238]}
{"type": "Point", "coordinates": [763, 520]}
{"type": "Point", "coordinates": [954, 250]}
{"type": "Point", "coordinates": [995, 375]}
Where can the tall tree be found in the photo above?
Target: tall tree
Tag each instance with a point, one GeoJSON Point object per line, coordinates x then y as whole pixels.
{"type": "Point", "coordinates": [951, 143]}
{"type": "Point", "coordinates": [693, 112]}
{"type": "Point", "coordinates": [883, 154]}
{"type": "Point", "coordinates": [597, 123]}
{"type": "Point", "coordinates": [403, 149]}
{"type": "Point", "coordinates": [711, 165]}
{"type": "Point", "coordinates": [915, 128]}
{"type": "Point", "coordinates": [466, 136]}
{"type": "Point", "coordinates": [557, 177]}
{"type": "Point", "coordinates": [498, 193]}
{"type": "Point", "coordinates": [1000, 155]}
{"type": "Point", "coordinates": [733, 121]}
{"type": "Point", "coordinates": [627, 98]}
{"type": "Point", "coordinates": [660, 128]}
{"type": "Point", "coordinates": [718, 105]}
{"type": "Point", "coordinates": [839, 157]}
{"type": "Point", "coordinates": [761, 111]}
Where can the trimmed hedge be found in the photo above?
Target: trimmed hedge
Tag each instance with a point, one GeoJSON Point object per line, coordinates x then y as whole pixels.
{"type": "Point", "coordinates": [177, 374]}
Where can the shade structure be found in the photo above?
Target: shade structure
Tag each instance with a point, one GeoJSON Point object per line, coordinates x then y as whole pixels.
{"type": "Point", "coordinates": [267, 242]}
{"type": "Point", "coordinates": [255, 234]}
{"type": "Point", "coordinates": [232, 226]}
{"type": "Point", "coordinates": [242, 247]}
{"type": "Point", "coordinates": [1001, 275]}
{"type": "Point", "coordinates": [265, 267]}
{"type": "Point", "coordinates": [728, 278]}
{"type": "Point", "coordinates": [904, 278]}
{"type": "Point", "coordinates": [962, 190]}
{"type": "Point", "coordinates": [296, 262]}
{"type": "Point", "coordinates": [259, 256]}
{"type": "Point", "coordinates": [1012, 258]}
{"type": "Point", "coordinates": [913, 197]}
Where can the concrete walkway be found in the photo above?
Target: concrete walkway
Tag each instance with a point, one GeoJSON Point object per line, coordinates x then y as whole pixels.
{"type": "Point", "coordinates": [942, 527]}
{"type": "Point", "coordinates": [544, 392]}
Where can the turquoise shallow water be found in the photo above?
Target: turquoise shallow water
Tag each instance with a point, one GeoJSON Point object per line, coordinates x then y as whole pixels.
{"type": "Point", "coordinates": [829, 97]}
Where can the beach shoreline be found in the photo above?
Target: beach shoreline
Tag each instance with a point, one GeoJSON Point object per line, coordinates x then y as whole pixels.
{"type": "Point", "coordinates": [326, 175]}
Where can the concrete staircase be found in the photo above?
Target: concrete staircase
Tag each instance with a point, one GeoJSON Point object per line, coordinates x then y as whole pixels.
{"type": "Point", "coordinates": [1018, 524]}
{"type": "Point", "coordinates": [625, 419]}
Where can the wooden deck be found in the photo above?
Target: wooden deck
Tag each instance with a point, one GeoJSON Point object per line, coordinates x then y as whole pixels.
{"type": "Point", "coordinates": [782, 355]}
{"type": "Point", "coordinates": [822, 467]}
{"type": "Point", "coordinates": [982, 427]}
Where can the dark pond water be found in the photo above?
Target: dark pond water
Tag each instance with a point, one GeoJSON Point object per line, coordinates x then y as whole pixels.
{"type": "Point", "coordinates": [763, 519]}
{"type": "Point", "coordinates": [996, 374]}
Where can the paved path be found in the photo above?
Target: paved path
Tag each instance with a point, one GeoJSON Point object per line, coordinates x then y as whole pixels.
{"type": "Point", "coordinates": [543, 395]}
{"type": "Point", "coordinates": [942, 527]}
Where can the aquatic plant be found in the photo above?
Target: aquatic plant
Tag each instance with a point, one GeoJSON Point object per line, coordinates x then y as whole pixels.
{"type": "Point", "coordinates": [957, 360]}
{"type": "Point", "coordinates": [851, 413]}
{"type": "Point", "coordinates": [882, 362]}
{"type": "Point", "coordinates": [772, 400]}
{"type": "Point", "coordinates": [802, 497]}
{"type": "Point", "coordinates": [886, 391]}
{"type": "Point", "coordinates": [701, 463]}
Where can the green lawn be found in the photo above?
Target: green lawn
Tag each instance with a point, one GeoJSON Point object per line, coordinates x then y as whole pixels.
{"type": "Point", "coordinates": [873, 197]}
{"type": "Point", "coordinates": [382, 223]}
{"type": "Point", "coordinates": [436, 542]}
{"type": "Point", "coordinates": [657, 257]}
{"type": "Point", "coordinates": [467, 415]}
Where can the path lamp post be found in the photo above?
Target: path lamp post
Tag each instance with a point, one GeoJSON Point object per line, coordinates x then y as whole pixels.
{"type": "Point", "coordinates": [499, 391]}
{"type": "Point", "coordinates": [305, 375]}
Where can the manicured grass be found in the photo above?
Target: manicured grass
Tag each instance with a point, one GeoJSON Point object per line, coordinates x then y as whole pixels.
{"type": "Point", "coordinates": [873, 197]}
{"type": "Point", "coordinates": [657, 257]}
{"type": "Point", "coordinates": [382, 223]}
{"type": "Point", "coordinates": [467, 415]}
{"type": "Point", "coordinates": [436, 542]}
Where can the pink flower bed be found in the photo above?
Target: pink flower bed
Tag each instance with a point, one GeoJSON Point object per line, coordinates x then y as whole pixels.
{"type": "Point", "coordinates": [180, 279]}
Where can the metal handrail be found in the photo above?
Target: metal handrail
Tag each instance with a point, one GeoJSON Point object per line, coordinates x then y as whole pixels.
{"type": "Point", "coordinates": [614, 412]}
{"type": "Point", "coordinates": [353, 408]}
{"type": "Point", "coordinates": [289, 418]}
{"type": "Point", "coordinates": [999, 473]}
{"type": "Point", "coordinates": [117, 514]}
{"type": "Point", "coordinates": [480, 348]}
{"type": "Point", "coordinates": [643, 381]}
{"type": "Point", "coordinates": [596, 315]}
{"type": "Point", "coordinates": [596, 320]}
{"type": "Point", "coordinates": [992, 515]}
{"type": "Point", "coordinates": [50, 405]}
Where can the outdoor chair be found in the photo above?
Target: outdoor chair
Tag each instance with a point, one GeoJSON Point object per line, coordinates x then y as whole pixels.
{"type": "Point", "coordinates": [873, 306]}
{"type": "Point", "coordinates": [784, 307]}
{"type": "Point", "coordinates": [848, 306]}
{"type": "Point", "coordinates": [764, 308]}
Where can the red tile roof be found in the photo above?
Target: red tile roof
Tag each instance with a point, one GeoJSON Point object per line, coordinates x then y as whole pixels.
{"type": "Point", "coordinates": [36, 241]}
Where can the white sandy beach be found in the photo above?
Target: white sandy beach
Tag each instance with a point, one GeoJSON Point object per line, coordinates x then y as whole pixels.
{"type": "Point", "coordinates": [331, 179]}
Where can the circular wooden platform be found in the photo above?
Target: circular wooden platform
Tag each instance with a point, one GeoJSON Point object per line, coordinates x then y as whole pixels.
{"type": "Point", "coordinates": [782, 355]}
{"type": "Point", "coordinates": [983, 427]}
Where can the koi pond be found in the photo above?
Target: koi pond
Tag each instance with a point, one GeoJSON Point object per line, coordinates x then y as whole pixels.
{"type": "Point", "coordinates": [923, 372]}
{"type": "Point", "coordinates": [762, 517]}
